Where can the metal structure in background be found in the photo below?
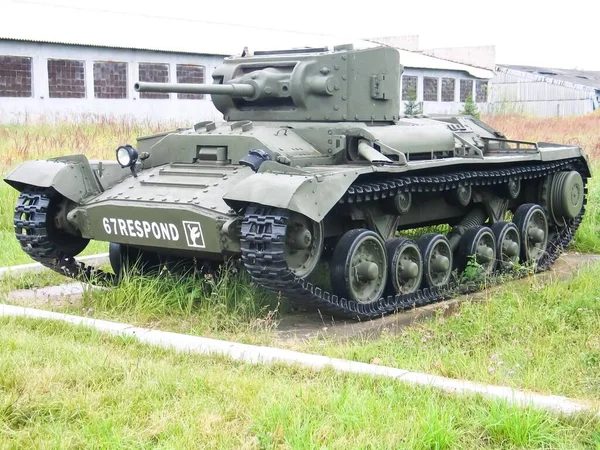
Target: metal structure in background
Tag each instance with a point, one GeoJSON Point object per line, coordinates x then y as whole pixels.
{"type": "Point", "coordinates": [312, 167]}
{"type": "Point", "coordinates": [544, 92]}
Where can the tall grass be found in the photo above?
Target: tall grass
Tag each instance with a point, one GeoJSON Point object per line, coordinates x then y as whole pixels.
{"type": "Point", "coordinates": [217, 303]}
{"type": "Point", "coordinates": [94, 136]}
{"type": "Point", "coordinates": [583, 131]}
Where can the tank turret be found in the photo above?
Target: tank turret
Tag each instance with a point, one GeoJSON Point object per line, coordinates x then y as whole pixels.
{"type": "Point", "coordinates": [308, 85]}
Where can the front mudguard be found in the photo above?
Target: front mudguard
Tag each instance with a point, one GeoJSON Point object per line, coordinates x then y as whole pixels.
{"type": "Point", "coordinates": [72, 177]}
{"type": "Point", "coordinates": [312, 195]}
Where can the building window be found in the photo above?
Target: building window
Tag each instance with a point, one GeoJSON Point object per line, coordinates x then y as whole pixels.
{"type": "Point", "coordinates": [409, 87]}
{"type": "Point", "coordinates": [189, 73]}
{"type": "Point", "coordinates": [66, 78]}
{"type": "Point", "coordinates": [481, 90]}
{"type": "Point", "coordinates": [466, 89]}
{"type": "Point", "coordinates": [430, 89]}
{"type": "Point", "coordinates": [154, 73]}
{"type": "Point", "coordinates": [15, 76]}
{"type": "Point", "coordinates": [448, 89]}
{"type": "Point", "coordinates": [110, 79]}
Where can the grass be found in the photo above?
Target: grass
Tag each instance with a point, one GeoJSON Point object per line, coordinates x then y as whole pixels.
{"type": "Point", "coordinates": [225, 305]}
{"type": "Point", "coordinates": [98, 136]}
{"type": "Point", "coordinates": [94, 136]}
{"type": "Point", "coordinates": [62, 387]}
{"type": "Point", "coordinates": [532, 335]}
{"type": "Point", "coordinates": [70, 387]}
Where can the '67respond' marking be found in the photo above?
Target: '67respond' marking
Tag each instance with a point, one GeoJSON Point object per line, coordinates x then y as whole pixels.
{"type": "Point", "coordinates": [140, 228]}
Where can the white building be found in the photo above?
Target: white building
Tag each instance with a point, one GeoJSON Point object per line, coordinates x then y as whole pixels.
{"type": "Point", "coordinates": [40, 80]}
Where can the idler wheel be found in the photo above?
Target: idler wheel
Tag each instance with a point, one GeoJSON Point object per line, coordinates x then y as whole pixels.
{"type": "Point", "coordinates": [532, 224]}
{"type": "Point", "coordinates": [437, 259]}
{"type": "Point", "coordinates": [405, 266]}
{"type": "Point", "coordinates": [52, 240]}
{"type": "Point", "coordinates": [508, 244]}
{"type": "Point", "coordinates": [303, 244]}
{"type": "Point", "coordinates": [567, 195]}
{"type": "Point", "coordinates": [480, 243]}
{"type": "Point", "coordinates": [359, 266]}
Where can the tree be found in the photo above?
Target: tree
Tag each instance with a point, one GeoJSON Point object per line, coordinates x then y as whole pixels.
{"type": "Point", "coordinates": [412, 107]}
{"type": "Point", "coordinates": [470, 108]}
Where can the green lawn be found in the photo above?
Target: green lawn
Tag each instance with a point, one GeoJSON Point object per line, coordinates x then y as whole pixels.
{"type": "Point", "coordinates": [531, 334]}
{"type": "Point", "coordinates": [65, 387]}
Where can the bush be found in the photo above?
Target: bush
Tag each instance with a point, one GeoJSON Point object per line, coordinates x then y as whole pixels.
{"type": "Point", "coordinates": [470, 108]}
{"type": "Point", "coordinates": [412, 108]}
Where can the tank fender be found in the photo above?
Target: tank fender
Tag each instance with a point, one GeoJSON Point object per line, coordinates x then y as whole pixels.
{"type": "Point", "coordinates": [310, 194]}
{"type": "Point", "coordinates": [72, 177]}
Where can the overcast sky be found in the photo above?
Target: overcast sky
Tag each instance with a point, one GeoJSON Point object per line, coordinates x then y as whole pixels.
{"type": "Point", "coordinates": [523, 32]}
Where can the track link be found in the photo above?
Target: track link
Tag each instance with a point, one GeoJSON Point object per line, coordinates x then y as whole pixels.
{"type": "Point", "coordinates": [264, 229]}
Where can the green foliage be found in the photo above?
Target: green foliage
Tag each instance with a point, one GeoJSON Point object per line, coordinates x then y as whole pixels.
{"type": "Point", "coordinates": [222, 303]}
{"type": "Point", "coordinates": [470, 108]}
{"type": "Point", "coordinates": [412, 107]}
{"type": "Point", "coordinates": [64, 386]}
{"type": "Point", "coordinates": [504, 340]}
{"type": "Point", "coordinates": [524, 428]}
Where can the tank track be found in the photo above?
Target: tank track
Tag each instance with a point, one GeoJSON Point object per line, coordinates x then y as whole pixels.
{"type": "Point", "coordinates": [31, 215]}
{"type": "Point", "coordinates": [264, 228]}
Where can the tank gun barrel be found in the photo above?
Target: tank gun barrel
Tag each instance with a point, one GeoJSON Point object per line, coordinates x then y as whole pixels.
{"type": "Point", "coordinates": [231, 89]}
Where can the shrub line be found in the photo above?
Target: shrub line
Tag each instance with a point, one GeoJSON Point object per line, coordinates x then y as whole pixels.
{"type": "Point", "coordinates": [268, 355]}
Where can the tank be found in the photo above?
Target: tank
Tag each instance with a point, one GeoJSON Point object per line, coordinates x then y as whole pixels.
{"type": "Point", "coordinates": [317, 185]}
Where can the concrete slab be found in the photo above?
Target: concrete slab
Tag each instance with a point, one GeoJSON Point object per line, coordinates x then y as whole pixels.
{"type": "Point", "coordinates": [308, 326]}
{"type": "Point", "coordinates": [95, 260]}
{"type": "Point", "coordinates": [66, 294]}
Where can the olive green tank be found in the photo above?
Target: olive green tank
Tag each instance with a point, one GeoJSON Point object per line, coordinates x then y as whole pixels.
{"type": "Point", "coordinates": [317, 185]}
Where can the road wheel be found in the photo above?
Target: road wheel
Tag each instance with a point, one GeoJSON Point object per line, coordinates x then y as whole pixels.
{"type": "Point", "coordinates": [359, 266]}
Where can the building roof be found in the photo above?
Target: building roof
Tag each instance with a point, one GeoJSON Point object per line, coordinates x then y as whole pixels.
{"type": "Point", "coordinates": [88, 27]}
{"type": "Point", "coordinates": [578, 77]}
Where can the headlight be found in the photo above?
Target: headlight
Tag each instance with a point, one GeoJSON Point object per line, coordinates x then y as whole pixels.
{"type": "Point", "coordinates": [126, 155]}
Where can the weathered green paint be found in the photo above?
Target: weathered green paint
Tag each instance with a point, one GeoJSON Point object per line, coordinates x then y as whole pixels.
{"type": "Point", "coordinates": [72, 177]}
